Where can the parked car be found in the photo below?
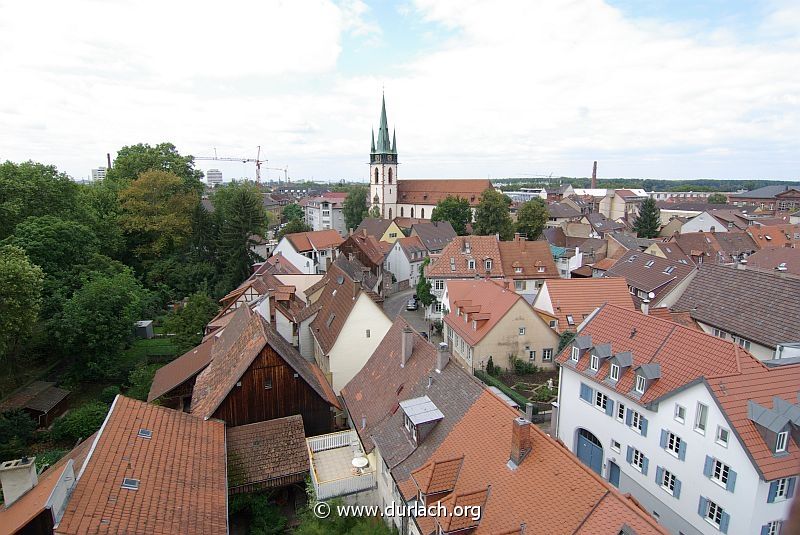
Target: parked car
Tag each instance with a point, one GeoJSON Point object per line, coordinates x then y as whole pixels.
{"type": "Point", "coordinates": [412, 304]}
{"type": "Point", "coordinates": [424, 335]}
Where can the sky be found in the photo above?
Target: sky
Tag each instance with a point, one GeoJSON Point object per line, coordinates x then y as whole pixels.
{"type": "Point", "coordinates": [649, 88]}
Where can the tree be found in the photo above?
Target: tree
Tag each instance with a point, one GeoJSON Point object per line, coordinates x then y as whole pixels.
{"type": "Point", "coordinates": [188, 322]}
{"type": "Point", "coordinates": [241, 217]}
{"type": "Point", "coordinates": [157, 212]}
{"type": "Point", "coordinates": [133, 160]}
{"type": "Point", "coordinates": [492, 215]}
{"type": "Point", "coordinates": [531, 218]}
{"type": "Point", "coordinates": [16, 430]}
{"type": "Point", "coordinates": [648, 222]}
{"type": "Point", "coordinates": [80, 423]}
{"type": "Point", "coordinates": [140, 380]}
{"type": "Point", "coordinates": [354, 207]}
{"type": "Point", "coordinates": [454, 209]}
{"type": "Point", "coordinates": [292, 212]}
{"type": "Point", "coordinates": [292, 227]}
{"type": "Point", "coordinates": [717, 198]}
{"type": "Point", "coordinates": [375, 212]}
{"type": "Point", "coordinates": [424, 294]}
{"type": "Point", "coordinates": [20, 300]}
{"type": "Point", "coordinates": [97, 321]}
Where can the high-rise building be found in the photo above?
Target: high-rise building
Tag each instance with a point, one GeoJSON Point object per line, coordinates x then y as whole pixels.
{"type": "Point", "coordinates": [99, 173]}
{"type": "Point", "coordinates": [214, 177]}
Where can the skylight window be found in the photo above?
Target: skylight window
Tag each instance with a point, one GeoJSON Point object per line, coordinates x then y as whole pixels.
{"type": "Point", "coordinates": [130, 484]}
{"type": "Point", "coordinates": [570, 319]}
{"type": "Point", "coordinates": [649, 263]}
{"type": "Point", "coordinates": [145, 433]}
{"type": "Point", "coordinates": [669, 270]}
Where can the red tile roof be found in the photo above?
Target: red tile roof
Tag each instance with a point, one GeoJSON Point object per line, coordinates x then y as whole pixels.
{"type": "Point", "coordinates": [517, 259]}
{"type": "Point", "coordinates": [181, 369]}
{"type": "Point", "coordinates": [181, 473]}
{"type": "Point", "coordinates": [775, 236]}
{"type": "Point", "coordinates": [770, 259]}
{"type": "Point", "coordinates": [481, 301]}
{"type": "Point", "coordinates": [335, 304]}
{"type": "Point", "coordinates": [411, 245]}
{"type": "Point", "coordinates": [318, 239]}
{"type": "Point", "coordinates": [604, 264]}
{"type": "Point", "coordinates": [524, 259]}
{"type": "Point", "coordinates": [580, 297]}
{"type": "Point", "coordinates": [421, 191]}
{"type": "Point", "coordinates": [367, 244]}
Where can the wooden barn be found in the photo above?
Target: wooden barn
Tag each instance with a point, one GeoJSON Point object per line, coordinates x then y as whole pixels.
{"type": "Point", "coordinates": [43, 401]}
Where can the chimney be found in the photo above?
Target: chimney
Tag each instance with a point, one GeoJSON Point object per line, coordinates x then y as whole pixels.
{"type": "Point", "coordinates": [529, 411]}
{"type": "Point", "coordinates": [594, 175]}
{"type": "Point", "coordinates": [520, 441]}
{"type": "Point", "coordinates": [17, 477]}
{"type": "Point", "coordinates": [363, 421]}
{"type": "Point", "coordinates": [364, 232]}
{"type": "Point", "coordinates": [406, 345]}
{"type": "Point", "coordinates": [646, 307]}
{"type": "Point", "coordinates": [442, 357]}
{"type": "Point", "coordinates": [108, 159]}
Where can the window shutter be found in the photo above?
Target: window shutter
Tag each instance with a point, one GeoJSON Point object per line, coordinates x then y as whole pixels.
{"type": "Point", "coordinates": [677, 491]}
{"type": "Point", "coordinates": [773, 490]}
{"type": "Point", "coordinates": [709, 466]}
{"type": "Point", "coordinates": [790, 487]}
{"type": "Point", "coordinates": [644, 426]}
{"type": "Point", "coordinates": [724, 521]}
{"type": "Point", "coordinates": [610, 407]}
{"type": "Point", "coordinates": [586, 392]}
{"type": "Point", "coordinates": [731, 484]}
{"type": "Point", "coordinates": [645, 462]}
{"type": "Point", "coordinates": [628, 417]}
{"type": "Point", "coordinates": [629, 455]}
{"type": "Point", "coordinates": [664, 435]}
{"type": "Point", "coordinates": [659, 475]}
{"type": "Point", "coordinates": [682, 451]}
{"type": "Point", "coordinates": [701, 508]}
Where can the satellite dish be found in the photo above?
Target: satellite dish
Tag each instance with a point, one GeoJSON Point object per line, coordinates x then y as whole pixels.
{"type": "Point", "coordinates": [651, 295]}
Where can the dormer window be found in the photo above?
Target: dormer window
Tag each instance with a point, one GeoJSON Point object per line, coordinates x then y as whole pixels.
{"type": "Point", "coordinates": [518, 270]}
{"type": "Point", "coordinates": [488, 264]}
{"type": "Point", "coordinates": [540, 269]}
{"type": "Point", "coordinates": [640, 384]}
{"type": "Point", "coordinates": [614, 373]}
{"type": "Point", "coordinates": [594, 362]}
{"type": "Point", "coordinates": [781, 441]}
{"type": "Point", "coordinates": [575, 354]}
{"type": "Point", "coordinates": [474, 325]}
{"type": "Point", "coordinates": [471, 264]}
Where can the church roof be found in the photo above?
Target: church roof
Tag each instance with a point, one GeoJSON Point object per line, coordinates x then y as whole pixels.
{"type": "Point", "coordinates": [385, 145]}
{"type": "Point", "coordinates": [431, 191]}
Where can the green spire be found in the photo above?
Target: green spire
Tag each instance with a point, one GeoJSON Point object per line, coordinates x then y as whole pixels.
{"type": "Point", "coordinates": [372, 150]}
{"type": "Point", "coordinates": [383, 146]}
{"type": "Point", "coordinates": [394, 142]}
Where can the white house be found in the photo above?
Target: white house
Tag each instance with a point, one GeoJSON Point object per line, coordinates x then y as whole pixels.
{"type": "Point", "coordinates": [699, 431]}
{"type": "Point", "coordinates": [405, 258]}
{"type": "Point", "coordinates": [310, 252]}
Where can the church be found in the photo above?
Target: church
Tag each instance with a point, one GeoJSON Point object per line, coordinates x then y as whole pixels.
{"type": "Point", "coordinates": [416, 198]}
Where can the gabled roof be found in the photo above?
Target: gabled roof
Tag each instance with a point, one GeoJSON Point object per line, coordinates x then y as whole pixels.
{"type": "Point", "coordinates": [233, 353]}
{"type": "Point", "coordinates": [630, 241]}
{"type": "Point", "coordinates": [756, 305]}
{"type": "Point", "coordinates": [775, 236]}
{"type": "Point", "coordinates": [765, 192]}
{"type": "Point", "coordinates": [697, 244]}
{"type": "Point", "coordinates": [373, 226]}
{"type": "Point", "coordinates": [277, 264]}
{"type": "Point", "coordinates": [480, 248]}
{"type": "Point", "coordinates": [735, 244]}
{"type": "Point", "coordinates": [602, 224]}
{"type": "Point", "coordinates": [412, 245]}
{"type": "Point", "coordinates": [435, 477]}
{"type": "Point", "coordinates": [562, 210]}
{"type": "Point", "coordinates": [368, 245]}
{"type": "Point", "coordinates": [481, 301]}
{"type": "Point", "coordinates": [180, 468]}
{"type": "Point", "coordinates": [649, 273]}
{"type": "Point", "coordinates": [434, 235]}
{"type": "Point", "coordinates": [315, 240]}
{"type": "Point", "coordinates": [431, 191]}
{"type": "Point", "coordinates": [265, 452]}
{"type": "Point", "coordinates": [673, 252]}
{"type": "Point", "coordinates": [580, 297]}
{"type": "Point", "coordinates": [483, 438]}
{"type": "Point", "coordinates": [522, 259]}
{"type": "Point", "coordinates": [770, 259]}
{"type": "Point", "coordinates": [39, 396]}
{"type": "Point", "coordinates": [181, 369]}
{"type": "Point", "coordinates": [604, 264]}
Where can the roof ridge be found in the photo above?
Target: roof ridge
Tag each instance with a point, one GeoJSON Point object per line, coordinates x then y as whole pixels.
{"type": "Point", "coordinates": [663, 343]}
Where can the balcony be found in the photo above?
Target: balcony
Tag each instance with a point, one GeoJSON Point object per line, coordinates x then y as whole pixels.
{"type": "Point", "coordinates": [332, 469]}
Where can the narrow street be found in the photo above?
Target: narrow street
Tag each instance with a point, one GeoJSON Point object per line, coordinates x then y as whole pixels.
{"type": "Point", "coordinates": [395, 305]}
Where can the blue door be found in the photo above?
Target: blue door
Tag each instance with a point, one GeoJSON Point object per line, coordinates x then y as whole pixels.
{"type": "Point", "coordinates": [589, 450]}
{"type": "Point", "coordinates": [613, 473]}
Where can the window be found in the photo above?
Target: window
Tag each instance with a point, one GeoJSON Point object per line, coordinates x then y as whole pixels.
{"type": "Point", "coordinates": [780, 441]}
{"type": "Point", "coordinates": [600, 401]}
{"type": "Point", "coordinates": [393, 234]}
{"type": "Point", "coordinates": [540, 269]}
{"type": "Point", "coordinates": [720, 472]}
{"type": "Point", "coordinates": [268, 384]}
{"type": "Point", "coordinates": [668, 481]}
{"type": "Point", "coordinates": [570, 320]}
{"type": "Point", "coordinates": [437, 307]}
{"type": "Point", "coordinates": [547, 354]}
{"type": "Point", "coordinates": [532, 354]}
{"type": "Point", "coordinates": [615, 445]}
{"type": "Point", "coordinates": [713, 514]}
{"type": "Point", "coordinates": [773, 528]}
{"type": "Point", "coordinates": [367, 333]}
{"type": "Point", "coordinates": [553, 323]}
{"type": "Point", "coordinates": [620, 412]}
{"type": "Point", "coordinates": [438, 284]}
{"type": "Point", "coordinates": [519, 285]}
{"type": "Point", "coordinates": [637, 421]}
{"type": "Point", "coordinates": [145, 433]}
{"type": "Point", "coordinates": [470, 264]}
{"type": "Point", "coordinates": [649, 263]}
{"type": "Point", "coordinates": [522, 331]}
{"type": "Point", "coordinates": [701, 418]}
{"type": "Point", "coordinates": [722, 436]}
{"type": "Point", "coordinates": [637, 460]}
{"type": "Point", "coordinates": [575, 353]}
{"type": "Point", "coordinates": [674, 443]}
{"type": "Point", "coordinates": [781, 489]}
{"type": "Point", "coordinates": [669, 270]}
{"type": "Point", "coordinates": [594, 362]}
{"type": "Point", "coordinates": [488, 265]}
{"type": "Point", "coordinates": [680, 413]}
{"type": "Point", "coordinates": [640, 384]}
{"type": "Point", "coordinates": [130, 484]}
{"type": "Point", "coordinates": [517, 269]}
{"type": "Point", "coordinates": [720, 333]}
{"type": "Point", "coordinates": [614, 373]}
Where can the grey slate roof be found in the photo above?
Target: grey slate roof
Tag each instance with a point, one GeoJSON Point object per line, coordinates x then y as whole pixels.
{"type": "Point", "coordinates": [650, 370]}
{"type": "Point", "coordinates": [776, 418]}
{"type": "Point", "coordinates": [756, 305]}
{"type": "Point", "coordinates": [561, 210]}
{"type": "Point", "coordinates": [374, 226]}
{"type": "Point", "coordinates": [434, 236]}
{"type": "Point", "coordinates": [767, 192]}
{"type": "Point", "coordinates": [601, 223]}
{"type": "Point", "coordinates": [583, 342]}
{"type": "Point", "coordinates": [624, 359]}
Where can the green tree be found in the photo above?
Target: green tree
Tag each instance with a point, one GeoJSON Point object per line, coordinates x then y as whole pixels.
{"type": "Point", "coordinates": [531, 218]}
{"type": "Point", "coordinates": [292, 212]}
{"type": "Point", "coordinates": [16, 430]}
{"type": "Point", "coordinates": [717, 198]}
{"type": "Point", "coordinates": [241, 216]}
{"type": "Point", "coordinates": [80, 423]}
{"type": "Point", "coordinates": [140, 380]}
{"type": "Point", "coordinates": [98, 320]}
{"type": "Point", "coordinates": [102, 209]}
{"type": "Point", "coordinates": [354, 207]}
{"type": "Point", "coordinates": [157, 211]}
{"type": "Point", "coordinates": [340, 525]}
{"type": "Point", "coordinates": [648, 222]}
{"type": "Point", "coordinates": [187, 323]}
{"type": "Point", "coordinates": [292, 227]}
{"type": "Point", "coordinates": [492, 215]}
{"type": "Point", "coordinates": [32, 189]}
{"type": "Point", "coordinates": [20, 301]}
{"type": "Point", "coordinates": [133, 160]}
{"type": "Point", "coordinates": [424, 294]}
{"type": "Point", "coordinates": [454, 209]}
{"type": "Point", "coordinates": [565, 339]}
{"type": "Point", "coordinates": [375, 212]}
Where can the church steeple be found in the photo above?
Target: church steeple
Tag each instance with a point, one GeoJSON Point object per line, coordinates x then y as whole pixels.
{"type": "Point", "coordinates": [383, 146]}
{"type": "Point", "coordinates": [394, 142]}
{"type": "Point", "coordinates": [372, 150]}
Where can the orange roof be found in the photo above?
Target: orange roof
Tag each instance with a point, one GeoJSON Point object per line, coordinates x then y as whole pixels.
{"type": "Point", "coordinates": [604, 264]}
{"type": "Point", "coordinates": [438, 476]}
{"type": "Point", "coordinates": [318, 239]}
{"type": "Point", "coordinates": [683, 318]}
{"type": "Point", "coordinates": [453, 262]}
{"type": "Point", "coordinates": [431, 191]}
{"type": "Point", "coordinates": [524, 259]}
{"type": "Point", "coordinates": [180, 469]}
{"type": "Point", "coordinates": [481, 301]}
{"type": "Point", "coordinates": [580, 297]}
{"type": "Point", "coordinates": [549, 469]}
{"type": "Point", "coordinates": [775, 236]}
{"type": "Point", "coordinates": [181, 369]}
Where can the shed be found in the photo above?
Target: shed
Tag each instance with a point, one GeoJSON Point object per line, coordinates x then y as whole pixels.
{"type": "Point", "coordinates": [43, 401]}
{"type": "Point", "coordinates": [144, 329]}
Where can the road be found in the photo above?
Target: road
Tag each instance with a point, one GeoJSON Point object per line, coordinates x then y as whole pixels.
{"type": "Point", "coordinates": [395, 305]}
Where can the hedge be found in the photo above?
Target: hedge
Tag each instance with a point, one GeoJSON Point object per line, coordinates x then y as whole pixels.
{"type": "Point", "coordinates": [510, 392]}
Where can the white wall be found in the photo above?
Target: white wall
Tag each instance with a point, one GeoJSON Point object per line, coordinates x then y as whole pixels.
{"type": "Point", "coordinates": [747, 504]}
{"type": "Point", "coordinates": [397, 263]}
{"type": "Point", "coordinates": [304, 264]}
{"type": "Point", "coordinates": [703, 223]}
{"type": "Point", "coordinates": [306, 340]}
{"type": "Point", "coordinates": [759, 351]}
{"type": "Point", "coordinates": [284, 327]}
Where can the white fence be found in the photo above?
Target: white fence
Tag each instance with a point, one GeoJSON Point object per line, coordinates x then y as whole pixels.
{"type": "Point", "coordinates": [331, 441]}
{"type": "Point", "coordinates": [341, 486]}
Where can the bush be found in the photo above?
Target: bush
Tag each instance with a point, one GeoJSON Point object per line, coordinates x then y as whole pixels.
{"type": "Point", "coordinates": [265, 518]}
{"type": "Point", "coordinates": [340, 525]}
{"type": "Point", "coordinates": [108, 394]}
{"type": "Point", "coordinates": [16, 430]}
{"type": "Point", "coordinates": [79, 424]}
{"type": "Point", "coordinates": [521, 367]}
{"type": "Point", "coordinates": [566, 339]}
{"type": "Point", "coordinates": [140, 380]}
{"type": "Point", "coordinates": [49, 458]}
{"type": "Point", "coordinates": [491, 369]}
{"type": "Point", "coordinates": [493, 381]}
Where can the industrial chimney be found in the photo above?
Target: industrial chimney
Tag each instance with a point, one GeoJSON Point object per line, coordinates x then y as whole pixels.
{"type": "Point", "coordinates": [594, 175]}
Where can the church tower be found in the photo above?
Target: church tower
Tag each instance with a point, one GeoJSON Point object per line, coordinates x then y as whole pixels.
{"type": "Point", "coordinates": [383, 169]}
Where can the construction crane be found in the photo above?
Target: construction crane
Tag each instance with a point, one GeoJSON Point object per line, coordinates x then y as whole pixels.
{"type": "Point", "coordinates": [257, 160]}
{"type": "Point", "coordinates": [285, 172]}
